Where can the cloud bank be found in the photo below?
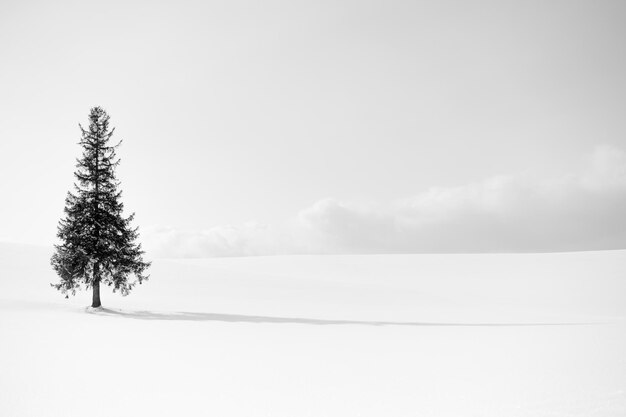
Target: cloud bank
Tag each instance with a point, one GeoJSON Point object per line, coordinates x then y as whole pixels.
{"type": "Point", "coordinates": [524, 213]}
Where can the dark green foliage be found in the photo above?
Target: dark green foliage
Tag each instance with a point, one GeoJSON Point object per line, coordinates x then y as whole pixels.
{"type": "Point", "coordinates": [98, 243]}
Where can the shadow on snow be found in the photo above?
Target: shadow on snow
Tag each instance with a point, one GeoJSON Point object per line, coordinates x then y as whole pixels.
{"type": "Point", "coordinates": [240, 318]}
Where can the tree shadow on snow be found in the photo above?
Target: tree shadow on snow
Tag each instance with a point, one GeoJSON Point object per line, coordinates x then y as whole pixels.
{"type": "Point", "coordinates": [240, 318]}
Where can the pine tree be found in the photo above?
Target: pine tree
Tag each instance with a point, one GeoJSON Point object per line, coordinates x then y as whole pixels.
{"type": "Point", "coordinates": [97, 243]}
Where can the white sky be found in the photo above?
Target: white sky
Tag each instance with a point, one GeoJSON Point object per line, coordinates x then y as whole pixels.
{"type": "Point", "coordinates": [239, 111]}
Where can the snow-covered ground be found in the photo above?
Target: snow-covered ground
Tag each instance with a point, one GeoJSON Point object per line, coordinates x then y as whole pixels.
{"type": "Point", "coordinates": [379, 335]}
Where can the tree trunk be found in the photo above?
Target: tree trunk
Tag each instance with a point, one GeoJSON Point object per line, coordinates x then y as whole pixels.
{"type": "Point", "coordinates": [95, 302]}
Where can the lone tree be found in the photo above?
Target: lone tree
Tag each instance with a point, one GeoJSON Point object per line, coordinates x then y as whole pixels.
{"type": "Point", "coordinates": [98, 243]}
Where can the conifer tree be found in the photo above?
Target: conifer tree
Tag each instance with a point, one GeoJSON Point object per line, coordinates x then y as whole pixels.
{"type": "Point", "coordinates": [98, 245]}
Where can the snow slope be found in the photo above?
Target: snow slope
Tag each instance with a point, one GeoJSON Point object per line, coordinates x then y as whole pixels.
{"type": "Point", "coordinates": [376, 335]}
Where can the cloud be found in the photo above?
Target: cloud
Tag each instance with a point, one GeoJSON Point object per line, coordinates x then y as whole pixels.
{"type": "Point", "coordinates": [246, 240]}
{"type": "Point", "coordinates": [524, 213]}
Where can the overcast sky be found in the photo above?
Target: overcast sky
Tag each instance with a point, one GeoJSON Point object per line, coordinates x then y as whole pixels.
{"type": "Point", "coordinates": [324, 126]}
